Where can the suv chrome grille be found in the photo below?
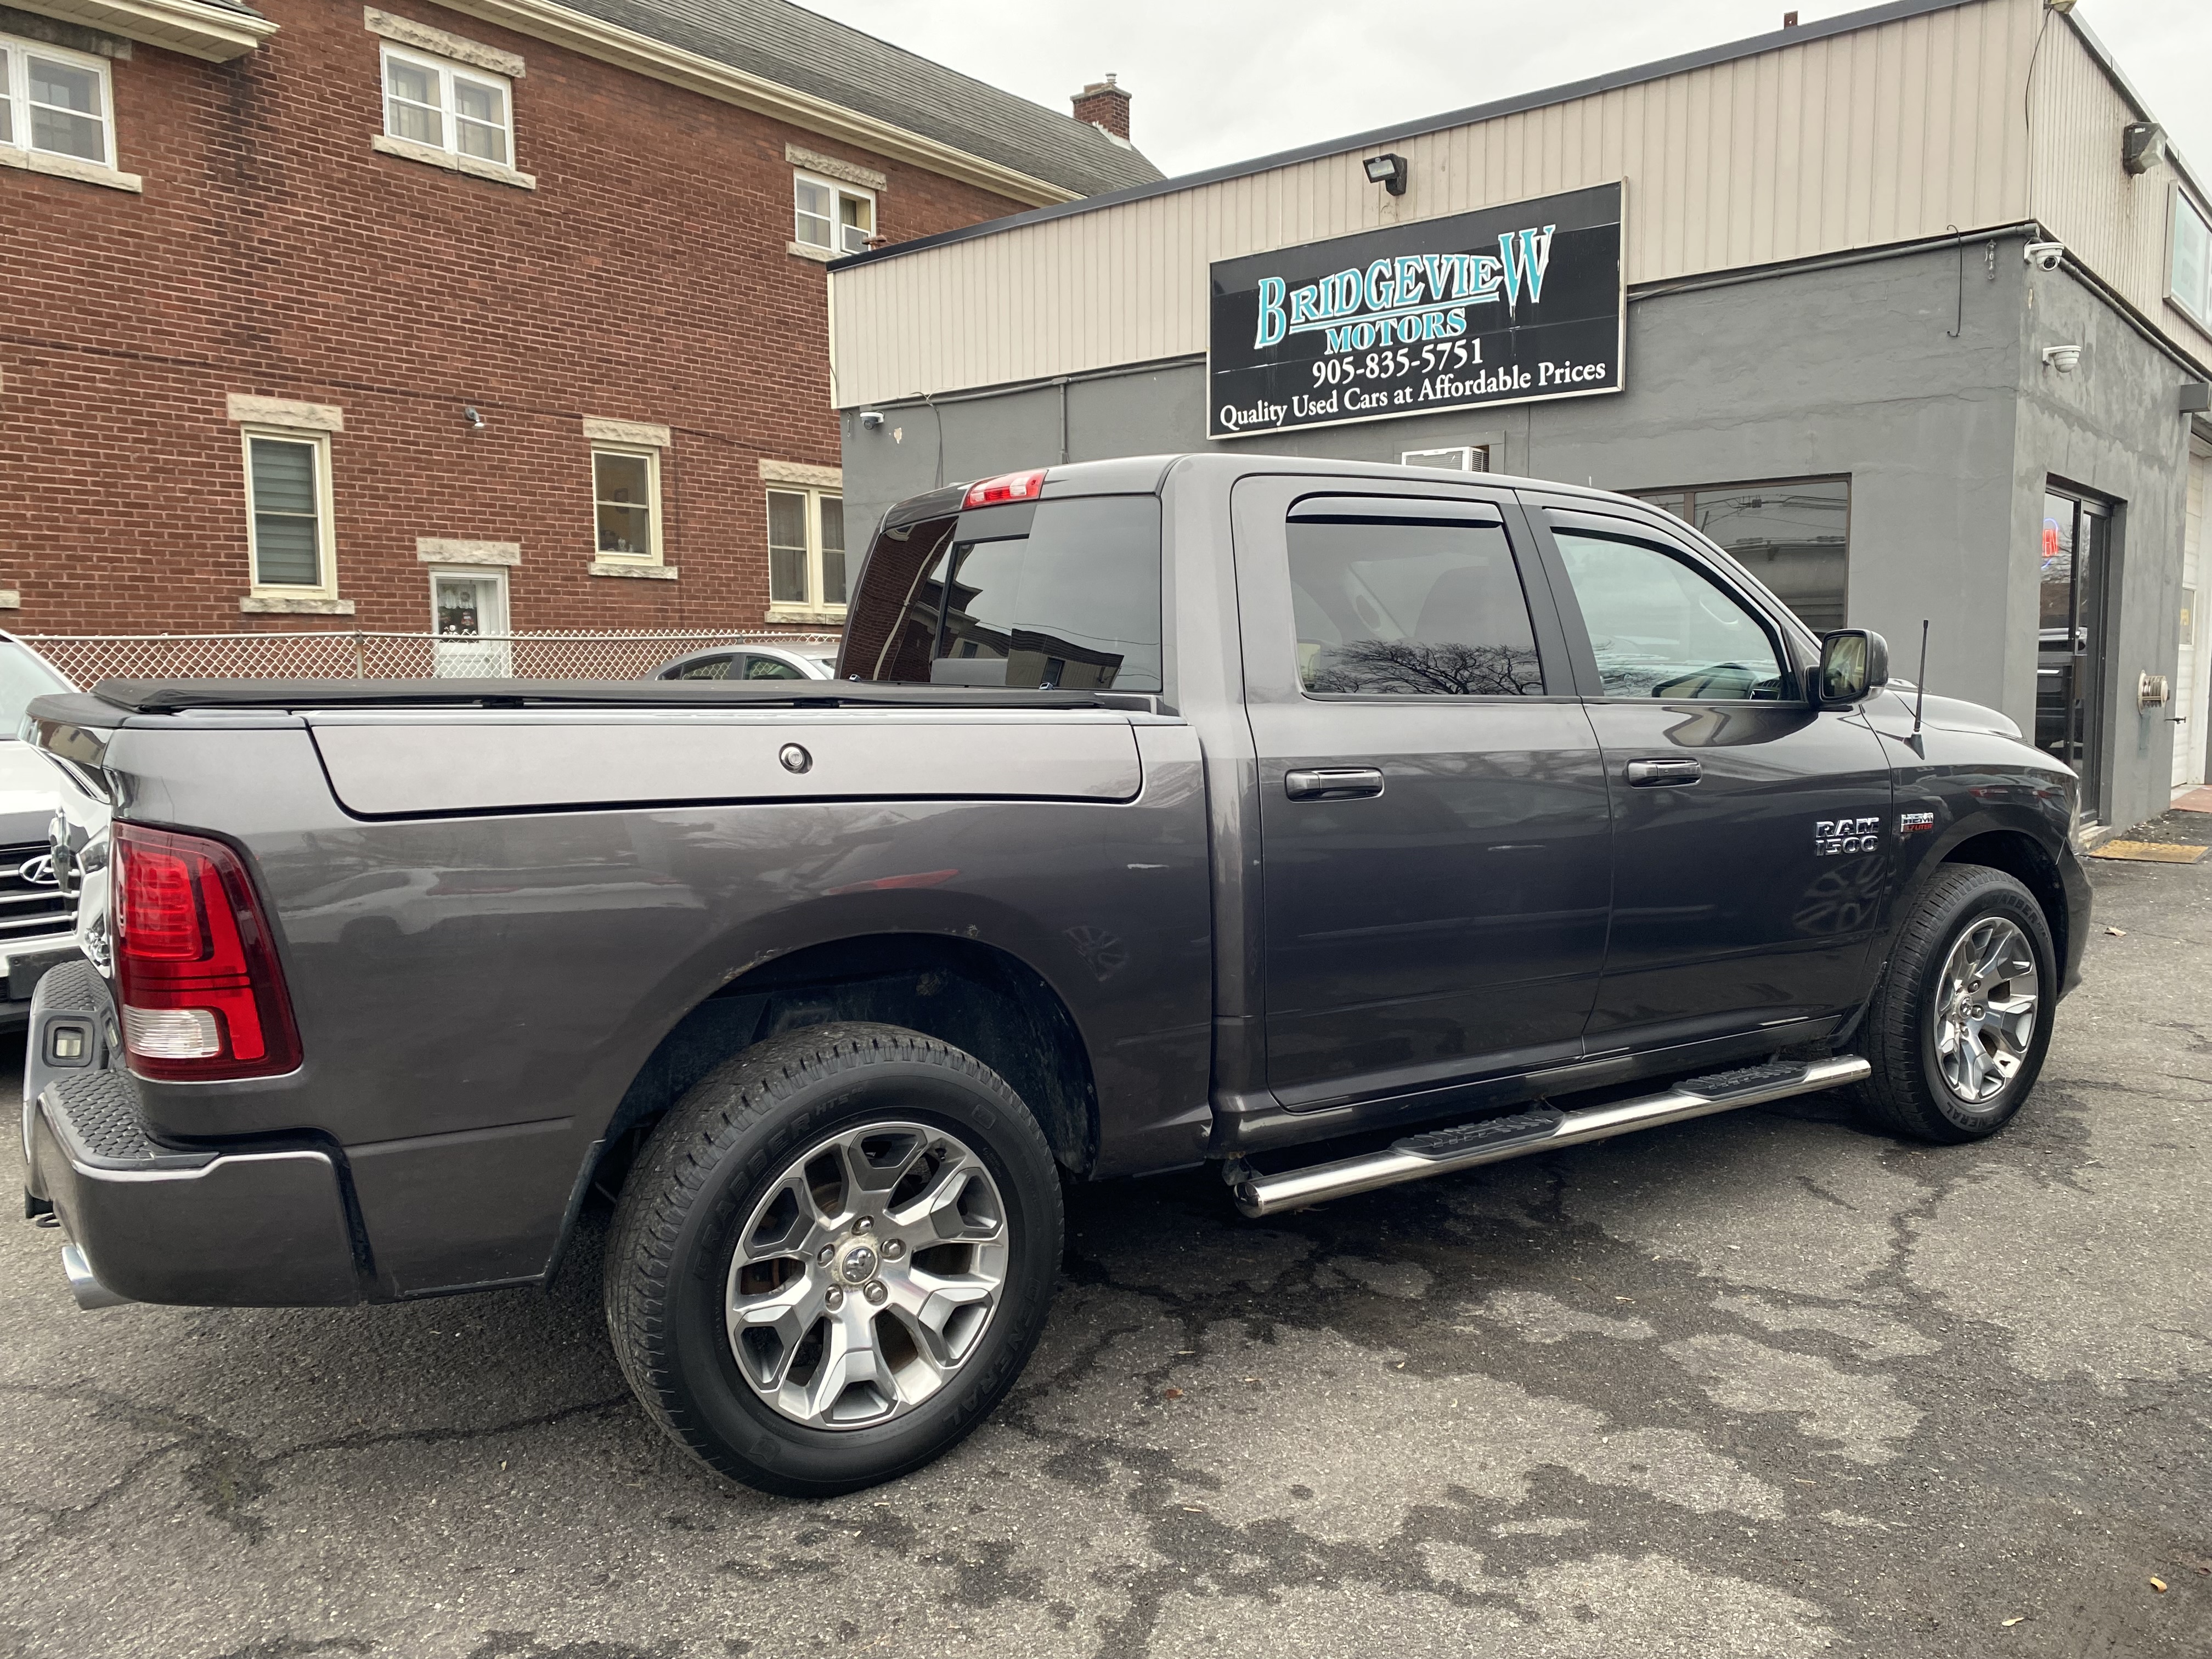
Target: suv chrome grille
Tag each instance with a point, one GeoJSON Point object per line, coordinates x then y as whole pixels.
{"type": "Point", "coordinates": [31, 902]}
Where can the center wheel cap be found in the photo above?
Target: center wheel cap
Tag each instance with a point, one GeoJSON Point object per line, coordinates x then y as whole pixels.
{"type": "Point", "coordinates": [859, 1265]}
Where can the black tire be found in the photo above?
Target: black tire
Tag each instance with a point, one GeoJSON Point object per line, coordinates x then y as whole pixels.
{"type": "Point", "coordinates": [1908, 1093]}
{"type": "Point", "coordinates": [711, 1161]}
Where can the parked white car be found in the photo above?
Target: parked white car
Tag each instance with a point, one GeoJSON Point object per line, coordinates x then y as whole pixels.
{"type": "Point", "coordinates": [37, 921]}
{"type": "Point", "coordinates": [753, 662]}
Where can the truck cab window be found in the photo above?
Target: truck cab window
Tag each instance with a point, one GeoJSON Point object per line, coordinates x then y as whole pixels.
{"type": "Point", "coordinates": [1400, 608]}
{"type": "Point", "coordinates": [1660, 628]}
{"type": "Point", "coordinates": [1064, 596]}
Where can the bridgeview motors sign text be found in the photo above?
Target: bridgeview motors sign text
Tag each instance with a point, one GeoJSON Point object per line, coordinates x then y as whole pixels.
{"type": "Point", "coordinates": [1504, 305]}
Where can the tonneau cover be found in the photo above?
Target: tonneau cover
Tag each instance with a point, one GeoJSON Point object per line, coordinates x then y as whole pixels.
{"type": "Point", "coordinates": [169, 697]}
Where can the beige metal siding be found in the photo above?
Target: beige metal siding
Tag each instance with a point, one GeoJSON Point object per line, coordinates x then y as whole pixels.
{"type": "Point", "coordinates": [1883, 134]}
{"type": "Point", "coordinates": [2120, 227]}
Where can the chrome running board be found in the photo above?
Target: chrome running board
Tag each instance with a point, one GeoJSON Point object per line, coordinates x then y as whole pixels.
{"type": "Point", "coordinates": [1540, 1129]}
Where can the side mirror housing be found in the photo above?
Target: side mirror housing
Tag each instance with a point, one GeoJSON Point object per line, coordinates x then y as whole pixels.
{"type": "Point", "coordinates": [1854, 665]}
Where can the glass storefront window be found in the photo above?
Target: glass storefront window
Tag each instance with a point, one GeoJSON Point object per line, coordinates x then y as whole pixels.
{"type": "Point", "coordinates": [1794, 535]}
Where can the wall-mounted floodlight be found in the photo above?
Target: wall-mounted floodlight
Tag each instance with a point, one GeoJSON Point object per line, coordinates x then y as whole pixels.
{"type": "Point", "coordinates": [2142, 146]}
{"type": "Point", "coordinates": [1388, 171]}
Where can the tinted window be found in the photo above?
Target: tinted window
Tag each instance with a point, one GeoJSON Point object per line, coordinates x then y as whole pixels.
{"type": "Point", "coordinates": [770, 668]}
{"type": "Point", "coordinates": [1662, 628]}
{"type": "Point", "coordinates": [1794, 536]}
{"type": "Point", "coordinates": [706, 668]}
{"type": "Point", "coordinates": [1066, 597]}
{"type": "Point", "coordinates": [1410, 609]}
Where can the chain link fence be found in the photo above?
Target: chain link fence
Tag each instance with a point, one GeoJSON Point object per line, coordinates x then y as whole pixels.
{"type": "Point", "coordinates": [329, 654]}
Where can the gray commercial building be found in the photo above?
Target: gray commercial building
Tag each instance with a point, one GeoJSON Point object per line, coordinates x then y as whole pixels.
{"type": "Point", "coordinates": [1911, 309]}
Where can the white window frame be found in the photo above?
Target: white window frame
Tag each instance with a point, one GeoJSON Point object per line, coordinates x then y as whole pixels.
{"type": "Point", "coordinates": [326, 542]}
{"type": "Point", "coordinates": [834, 249]}
{"type": "Point", "coordinates": [2198, 307]}
{"type": "Point", "coordinates": [652, 458]}
{"type": "Point", "coordinates": [495, 660]}
{"type": "Point", "coordinates": [810, 609]}
{"type": "Point", "coordinates": [15, 92]}
{"type": "Point", "coordinates": [448, 150]}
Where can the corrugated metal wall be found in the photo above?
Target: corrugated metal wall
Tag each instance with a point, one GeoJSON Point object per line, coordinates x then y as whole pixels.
{"type": "Point", "coordinates": [2120, 227]}
{"type": "Point", "coordinates": [1884, 134]}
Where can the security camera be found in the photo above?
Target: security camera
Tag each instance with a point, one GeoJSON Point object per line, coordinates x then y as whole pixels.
{"type": "Point", "coordinates": [871, 419]}
{"type": "Point", "coordinates": [2044, 256]}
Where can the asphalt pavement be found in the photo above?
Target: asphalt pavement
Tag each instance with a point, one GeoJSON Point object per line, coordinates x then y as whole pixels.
{"type": "Point", "coordinates": [1763, 1385]}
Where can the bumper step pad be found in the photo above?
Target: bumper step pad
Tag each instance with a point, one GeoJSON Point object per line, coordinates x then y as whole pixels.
{"type": "Point", "coordinates": [1540, 1123]}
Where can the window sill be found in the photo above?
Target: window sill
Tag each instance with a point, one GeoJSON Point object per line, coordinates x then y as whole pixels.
{"type": "Point", "coordinates": [407, 149]}
{"type": "Point", "coordinates": [68, 167]}
{"type": "Point", "coordinates": [805, 613]}
{"type": "Point", "coordinates": [658, 573]}
{"type": "Point", "coordinates": [808, 251]}
{"type": "Point", "coordinates": [291, 604]}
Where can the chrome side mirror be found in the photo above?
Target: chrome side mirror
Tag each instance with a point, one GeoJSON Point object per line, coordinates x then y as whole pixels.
{"type": "Point", "coordinates": [1854, 665]}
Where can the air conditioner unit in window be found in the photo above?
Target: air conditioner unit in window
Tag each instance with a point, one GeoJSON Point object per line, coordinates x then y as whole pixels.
{"type": "Point", "coordinates": [1466, 457]}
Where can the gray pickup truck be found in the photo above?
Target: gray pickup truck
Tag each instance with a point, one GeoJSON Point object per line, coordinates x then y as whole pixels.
{"type": "Point", "coordinates": [1336, 825]}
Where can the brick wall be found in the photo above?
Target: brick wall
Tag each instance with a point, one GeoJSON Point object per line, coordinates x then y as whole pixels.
{"type": "Point", "coordinates": [272, 253]}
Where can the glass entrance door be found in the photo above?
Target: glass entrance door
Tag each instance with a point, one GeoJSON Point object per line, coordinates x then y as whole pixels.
{"type": "Point", "coordinates": [468, 609]}
{"type": "Point", "coordinates": [2069, 668]}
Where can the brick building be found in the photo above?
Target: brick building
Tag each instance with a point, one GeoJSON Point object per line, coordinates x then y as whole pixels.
{"type": "Point", "coordinates": [512, 307]}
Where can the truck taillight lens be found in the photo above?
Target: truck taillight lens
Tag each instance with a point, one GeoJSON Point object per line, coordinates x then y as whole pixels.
{"type": "Point", "coordinates": [1006, 487]}
{"type": "Point", "coordinates": [196, 972]}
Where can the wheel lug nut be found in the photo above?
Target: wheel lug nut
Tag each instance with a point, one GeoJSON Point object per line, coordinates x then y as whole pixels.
{"type": "Point", "coordinates": [864, 1225]}
{"type": "Point", "coordinates": [834, 1299]}
{"type": "Point", "coordinates": [875, 1292]}
{"type": "Point", "coordinates": [893, 1249]}
{"type": "Point", "coordinates": [823, 1255]}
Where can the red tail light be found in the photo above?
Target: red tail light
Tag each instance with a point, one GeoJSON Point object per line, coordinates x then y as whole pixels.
{"type": "Point", "coordinates": [195, 969]}
{"type": "Point", "coordinates": [1006, 487]}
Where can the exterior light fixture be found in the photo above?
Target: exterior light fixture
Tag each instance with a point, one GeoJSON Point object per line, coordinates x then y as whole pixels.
{"type": "Point", "coordinates": [1388, 171]}
{"type": "Point", "coordinates": [2142, 146]}
{"type": "Point", "coordinates": [470, 419]}
{"type": "Point", "coordinates": [2062, 6]}
{"type": "Point", "coordinates": [2063, 358]}
{"type": "Point", "coordinates": [871, 419]}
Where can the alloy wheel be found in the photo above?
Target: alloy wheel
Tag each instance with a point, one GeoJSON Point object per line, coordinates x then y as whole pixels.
{"type": "Point", "coordinates": [866, 1275]}
{"type": "Point", "coordinates": [1987, 999]}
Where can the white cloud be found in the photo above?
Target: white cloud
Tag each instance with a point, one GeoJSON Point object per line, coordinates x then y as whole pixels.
{"type": "Point", "coordinates": [1221, 81]}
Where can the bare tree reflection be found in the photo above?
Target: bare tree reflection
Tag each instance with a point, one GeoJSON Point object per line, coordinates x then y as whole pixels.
{"type": "Point", "coordinates": [1409, 667]}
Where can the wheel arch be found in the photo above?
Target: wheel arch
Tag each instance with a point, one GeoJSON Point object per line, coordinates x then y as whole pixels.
{"type": "Point", "coordinates": [2023, 857]}
{"type": "Point", "coordinates": [978, 997]}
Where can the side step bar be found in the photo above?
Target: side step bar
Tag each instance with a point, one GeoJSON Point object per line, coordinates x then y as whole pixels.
{"type": "Point", "coordinates": [1540, 1128]}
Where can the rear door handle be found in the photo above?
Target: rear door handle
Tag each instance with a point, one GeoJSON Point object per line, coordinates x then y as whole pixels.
{"type": "Point", "coordinates": [1332, 783]}
{"type": "Point", "coordinates": [1659, 773]}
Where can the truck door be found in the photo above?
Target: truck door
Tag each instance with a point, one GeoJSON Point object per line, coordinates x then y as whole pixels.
{"type": "Point", "coordinates": [1432, 805]}
{"type": "Point", "coordinates": [1752, 831]}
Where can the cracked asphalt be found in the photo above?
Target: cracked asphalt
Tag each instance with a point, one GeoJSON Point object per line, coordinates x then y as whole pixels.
{"type": "Point", "coordinates": [1763, 1385]}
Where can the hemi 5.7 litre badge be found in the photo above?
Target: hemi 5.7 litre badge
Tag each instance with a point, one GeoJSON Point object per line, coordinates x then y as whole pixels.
{"type": "Point", "coordinates": [1833, 836]}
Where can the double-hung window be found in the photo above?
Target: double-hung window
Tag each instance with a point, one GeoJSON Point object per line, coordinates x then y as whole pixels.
{"type": "Point", "coordinates": [54, 102]}
{"type": "Point", "coordinates": [837, 219]}
{"type": "Point", "coordinates": [2191, 281]}
{"type": "Point", "coordinates": [467, 112]}
{"type": "Point", "coordinates": [806, 549]}
{"type": "Point", "coordinates": [287, 488]}
{"type": "Point", "coordinates": [626, 504]}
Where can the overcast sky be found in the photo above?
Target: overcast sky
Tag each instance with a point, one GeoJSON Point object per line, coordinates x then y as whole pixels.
{"type": "Point", "coordinates": [1218, 80]}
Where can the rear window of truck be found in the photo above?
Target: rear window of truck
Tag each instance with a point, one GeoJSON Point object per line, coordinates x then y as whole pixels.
{"type": "Point", "coordinates": [1058, 595]}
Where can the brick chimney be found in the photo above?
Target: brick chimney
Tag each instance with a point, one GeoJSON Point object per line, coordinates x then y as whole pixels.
{"type": "Point", "coordinates": [1102, 104]}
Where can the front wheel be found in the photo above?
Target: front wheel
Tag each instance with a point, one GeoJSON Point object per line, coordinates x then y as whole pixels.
{"type": "Point", "coordinates": [1957, 1033]}
{"type": "Point", "coordinates": [833, 1257]}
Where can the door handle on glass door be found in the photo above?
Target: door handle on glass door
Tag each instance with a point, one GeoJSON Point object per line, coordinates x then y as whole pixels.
{"type": "Point", "coordinates": [1332, 783]}
{"type": "Point", "coordinates": [1657, 774]}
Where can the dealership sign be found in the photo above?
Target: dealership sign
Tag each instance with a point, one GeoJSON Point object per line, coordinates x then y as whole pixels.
{"type": "Point", "coordinates": [1502, 306]}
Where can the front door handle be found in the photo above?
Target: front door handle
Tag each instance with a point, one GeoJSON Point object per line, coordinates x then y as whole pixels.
{"type": "Point", "coordinates": [1332, 783]}
{"type": "Point", "coordinates": [1660, 774]}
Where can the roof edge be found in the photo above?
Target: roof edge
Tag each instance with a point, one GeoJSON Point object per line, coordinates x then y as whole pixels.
{"type": "Point", "coordinates": [215, 35]}
{"type": "Point", "coordinates": [610, 43]}
{"type": "Point", "coordinates": [1893, 11]}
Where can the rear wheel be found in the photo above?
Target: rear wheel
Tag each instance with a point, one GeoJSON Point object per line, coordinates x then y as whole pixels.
{"type": "Point", "coordinates": [1957, 1031]}
{"type": "Point", "coordinates": [833, 1257]}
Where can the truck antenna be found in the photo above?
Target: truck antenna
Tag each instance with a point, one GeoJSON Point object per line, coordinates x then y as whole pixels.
{"type": "Point", "coordinates": [1920, 686]}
